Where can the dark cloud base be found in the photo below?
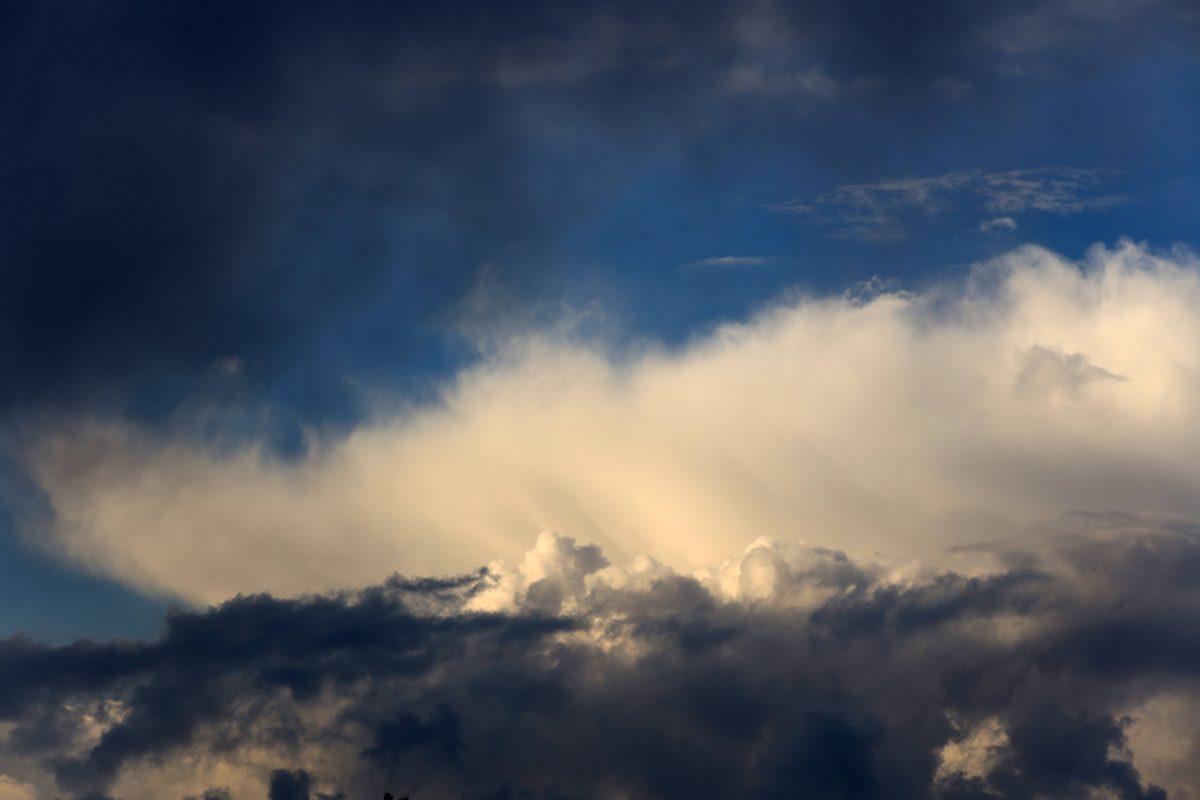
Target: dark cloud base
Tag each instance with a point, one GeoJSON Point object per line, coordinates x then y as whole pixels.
{"type": "Point", "coordinates": [660, 691]}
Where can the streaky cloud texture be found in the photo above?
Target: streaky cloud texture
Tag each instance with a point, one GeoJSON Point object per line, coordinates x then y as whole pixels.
{"type": "Point", "coordinates": [784, 670]}
{"type": "Point", "coordinates": [902, 422]}
{"type": "Point", "coordinates": [881, 211]}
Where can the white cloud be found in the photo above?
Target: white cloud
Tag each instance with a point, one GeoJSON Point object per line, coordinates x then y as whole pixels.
{"type": "Point", "coordinates": [553, 571]}
{"type": "Point", "coordinates": [787, 572]}
{"type": "Point", "coordinates": [783, 573]}
{"type": "Point", "coordinates": [731, 261]}
{"type": "Point", "coordinates": [900, 422]}
{"type": "Point", "coordinates": [998, 225]}
{"type": "Point", "coordinates": [1045, 373]}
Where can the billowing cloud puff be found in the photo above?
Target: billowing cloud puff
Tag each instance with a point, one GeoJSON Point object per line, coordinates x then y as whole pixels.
{"type": "Point", "coordinates": [1069, 668]}
{"type": "Point", "coordinates": [902, 423]}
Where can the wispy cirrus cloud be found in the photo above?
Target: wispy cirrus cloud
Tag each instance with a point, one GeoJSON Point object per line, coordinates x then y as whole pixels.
{"type": "Point", "coordinates": [731, 261]}
{"type": "Point", "coordinates": [1054, 190]}
{"type": "Point", "coordinates": [888, 209]}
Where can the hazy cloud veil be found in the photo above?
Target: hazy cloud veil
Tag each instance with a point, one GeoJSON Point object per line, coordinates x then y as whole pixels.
{"type": "Point", "coordinates": [900, 423]}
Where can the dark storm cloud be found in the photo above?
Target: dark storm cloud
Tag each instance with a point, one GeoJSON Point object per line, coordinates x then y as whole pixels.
{"type": "Point", "coordinates": [294, 785]}
{"type": "Point", "coordinates": [854, 697]}
{"type": "Point", "coordinates": [185, 680]}
{"type": "Point", "coordinates": [215, 793]}
{"type": "Point", "coordinates": [283, 188]}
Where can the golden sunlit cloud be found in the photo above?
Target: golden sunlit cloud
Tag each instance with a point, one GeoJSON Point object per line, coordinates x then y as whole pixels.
{"type": "Point", "coordinates": [902, 423]}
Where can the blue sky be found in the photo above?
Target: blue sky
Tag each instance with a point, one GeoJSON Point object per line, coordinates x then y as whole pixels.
{"type": "Point", "coordinates": [263, 225]}
{"type": "Point", "coordinates": [295, 297]}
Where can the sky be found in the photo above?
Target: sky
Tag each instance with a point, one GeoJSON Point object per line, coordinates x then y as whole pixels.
{"type": "Point", "coordinates": [599, 400]}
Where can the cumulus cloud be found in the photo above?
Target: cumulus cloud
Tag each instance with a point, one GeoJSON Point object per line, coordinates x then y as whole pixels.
{"type": "Point", "coordinates": [1065, 668]}
{"type": "Point", "coordinates": [897, 422]}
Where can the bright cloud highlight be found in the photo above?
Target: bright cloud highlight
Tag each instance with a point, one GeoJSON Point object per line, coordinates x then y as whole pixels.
{"type": "Point", "coordinates": [903, 423]}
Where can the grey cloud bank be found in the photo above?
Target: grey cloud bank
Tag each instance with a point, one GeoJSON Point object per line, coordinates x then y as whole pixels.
{"type": "Point", "coordinates": [786, 670]}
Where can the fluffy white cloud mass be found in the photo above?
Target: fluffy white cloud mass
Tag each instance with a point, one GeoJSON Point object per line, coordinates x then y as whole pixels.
{"type": "Point", "coordinates": [902, 423]}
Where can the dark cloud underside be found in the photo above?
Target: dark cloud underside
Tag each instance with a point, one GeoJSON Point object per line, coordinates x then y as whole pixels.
{"type": "Point", "coordinates": [853, 698]}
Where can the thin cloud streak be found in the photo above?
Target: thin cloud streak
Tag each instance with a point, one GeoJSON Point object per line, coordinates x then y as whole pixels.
{"type": "Point", "coordinates": [731, 261]}
{"type": "Point", "coordinates": [998, 225]}
{"type": "Point", "coordinates": [886, 210]}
